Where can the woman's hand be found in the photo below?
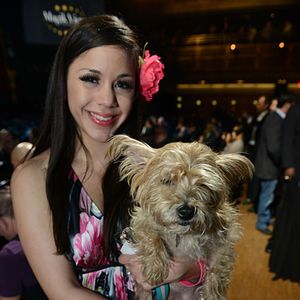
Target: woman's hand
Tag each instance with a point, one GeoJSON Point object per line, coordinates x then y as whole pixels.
{"type": "Point", "coordinates": [180, 268]}
{"type": "Point", "coordinates": [134, 268]}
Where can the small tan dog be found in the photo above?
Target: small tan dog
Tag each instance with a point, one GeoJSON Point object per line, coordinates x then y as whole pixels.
{"type": "Point", "coordinates": [182, 196]}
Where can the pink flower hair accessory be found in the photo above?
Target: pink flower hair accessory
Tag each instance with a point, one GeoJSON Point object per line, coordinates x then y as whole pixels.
{"type": "Point", "coordinates": [151, 74]}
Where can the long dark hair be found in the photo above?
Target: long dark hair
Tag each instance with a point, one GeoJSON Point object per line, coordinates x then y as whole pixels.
{"type": "Point", "coordinates": [58, 128]}
{"type": "Point", "coordinates": [117, 205]}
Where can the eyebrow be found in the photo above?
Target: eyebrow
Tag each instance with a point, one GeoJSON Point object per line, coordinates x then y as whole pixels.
{"type": "Point", "coordinates": [90, 70]}
{"type": "Point", "coordinates": [99, 73]}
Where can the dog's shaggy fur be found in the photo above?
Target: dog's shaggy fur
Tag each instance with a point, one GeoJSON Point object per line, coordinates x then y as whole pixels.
{"type": "Point", "coordinates": [182, 193]}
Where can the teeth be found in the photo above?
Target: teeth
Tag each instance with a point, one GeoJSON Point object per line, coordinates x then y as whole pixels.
{"type": "Point", "coordinates": [100, 118]}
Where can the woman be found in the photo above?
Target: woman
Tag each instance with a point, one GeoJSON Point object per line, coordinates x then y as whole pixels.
{"type": "Point", "coordinates": [234, 141]}
{"type": "Point", "coordinates": [58, 197]}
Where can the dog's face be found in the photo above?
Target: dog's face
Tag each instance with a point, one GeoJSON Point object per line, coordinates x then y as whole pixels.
{"type": "Point", "coordinates": [183, 186]}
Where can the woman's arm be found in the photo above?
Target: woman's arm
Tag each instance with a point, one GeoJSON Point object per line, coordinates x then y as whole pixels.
{"type": "Point", "coordinates": [54, 272]}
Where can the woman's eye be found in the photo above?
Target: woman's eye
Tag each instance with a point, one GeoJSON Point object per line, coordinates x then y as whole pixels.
{"type": "Point", "coordinates": [90, 79]}
{"type": "Point", "coordinates": [124, 85]}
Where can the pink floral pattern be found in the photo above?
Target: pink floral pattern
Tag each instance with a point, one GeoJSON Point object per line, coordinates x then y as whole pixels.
{"type": "Point", "coordinates": [119, 288]}
{"type": "Point", "coordinates": [89, 281]}
{"type": "Point", "coordinates": [151, 74]}
{"type": "Point", "coordinates": [95, 271]}
{"type": "Point", "coordinates": [88, 243]}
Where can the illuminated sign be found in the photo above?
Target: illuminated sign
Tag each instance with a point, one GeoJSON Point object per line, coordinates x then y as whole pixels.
{"type": "Point", "coordinates": [46, 21]}
{"type": "Point", "coordinates": [62, 17]}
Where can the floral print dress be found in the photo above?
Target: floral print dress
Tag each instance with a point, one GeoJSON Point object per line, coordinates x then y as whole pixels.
{"type": "Point", "coordinates": [95, 271]}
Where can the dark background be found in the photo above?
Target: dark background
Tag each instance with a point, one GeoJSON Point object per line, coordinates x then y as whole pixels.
{"type": "Point", "coordinates": [192, 37]}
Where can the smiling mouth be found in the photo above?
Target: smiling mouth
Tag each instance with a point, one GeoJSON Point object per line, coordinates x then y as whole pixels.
{"type": "Point", "coordinates": [103, 120]}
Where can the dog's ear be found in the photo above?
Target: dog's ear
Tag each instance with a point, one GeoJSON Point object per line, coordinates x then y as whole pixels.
{"type": "Point", "coordinates": [123, 145]}
{"type": "Point", "coordinates": [236, 167]}
{"type": "Point", "coordinates": [135, 154]}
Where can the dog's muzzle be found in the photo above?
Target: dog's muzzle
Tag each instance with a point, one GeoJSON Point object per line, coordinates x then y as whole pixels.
{"type": "Point", "coordinates": [185, 212]}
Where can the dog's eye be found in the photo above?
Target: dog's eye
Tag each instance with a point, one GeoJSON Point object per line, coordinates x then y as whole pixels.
{"type": "Point", "coordinates": [166, 181]}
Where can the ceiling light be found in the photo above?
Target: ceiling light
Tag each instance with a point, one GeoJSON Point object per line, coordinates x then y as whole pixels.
{"type": "Point", "coordinates": [232, 47]}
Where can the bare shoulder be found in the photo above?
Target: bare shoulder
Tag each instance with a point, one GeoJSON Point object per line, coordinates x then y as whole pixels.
{"type": "Point", "coordinates": [32, 168]}
{"type": "Point", "coordinates": [30, 177]}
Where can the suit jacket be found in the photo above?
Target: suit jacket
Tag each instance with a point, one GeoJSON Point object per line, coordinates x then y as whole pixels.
{"type": "Point", "coordinates": [291, 139]}
{"type": "Point", "coordinates": [251, 142]}
{"type": "Point", "coordinates": [267, 162]}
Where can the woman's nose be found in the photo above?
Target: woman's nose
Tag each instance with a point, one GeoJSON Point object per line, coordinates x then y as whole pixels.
{"type": "Point", "coordinates": [107, 96]}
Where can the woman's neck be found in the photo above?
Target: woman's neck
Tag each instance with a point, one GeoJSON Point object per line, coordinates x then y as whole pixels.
{"type": "Point", "coordinates": [94, 157]}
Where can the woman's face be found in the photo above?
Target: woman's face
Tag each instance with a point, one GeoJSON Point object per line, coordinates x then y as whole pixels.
{"type": "Point", "coordinates": [101, 87]}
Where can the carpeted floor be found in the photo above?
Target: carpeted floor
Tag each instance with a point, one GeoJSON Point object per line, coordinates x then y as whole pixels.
{"type": "Point", "coordinates": [251, 279]}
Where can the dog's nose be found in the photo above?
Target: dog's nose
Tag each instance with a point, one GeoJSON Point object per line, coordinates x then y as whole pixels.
{"type": "Point", "coordinates": [185, 212]}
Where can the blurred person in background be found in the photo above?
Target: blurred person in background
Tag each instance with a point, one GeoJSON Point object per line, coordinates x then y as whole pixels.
{"type": "Point", "coordinates": [18, 155]}
{"type": "Point", "coordinates": [273, 104]}
{"type": "Point", "coordinates": [267, 161]}
{"type": "Point", "coordinates": [17, 280]}
{"type": "Point", "coordinates": [210, 135]}
{"type": "Point", "coordinates": [148, 131]}
{"type": "Point", "coordinates": [20, 152]}
{"type": "Point", "coordinates": [161, 136]}
{"type": "Point", "coordinates": [181, 131]}
{"type": "Point", "coordinates": [234, 141]}
{"type": "Point", "coordinates": [285, 259]}
{"type": "Point", "coordinates": [7, 142]}
{"type": "Point", "coordinates": [194, 131]}
{"type": "Point", "coordinates": [262, 110]}
{"type": "Point", "coordinates": [251, 146]}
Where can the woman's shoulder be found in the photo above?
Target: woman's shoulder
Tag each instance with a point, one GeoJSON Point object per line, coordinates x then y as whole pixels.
{"type": "Point", "coordinates": [28, 184]}
{"type": "Point", "coordinates": [32, 170]}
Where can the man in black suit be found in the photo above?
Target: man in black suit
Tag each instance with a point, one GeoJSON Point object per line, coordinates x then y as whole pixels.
{"type": "Point", "coordinates": [285, 259]}
{"type": "Point", "coordinates": [267, 161]}
{"type": "Point", "coordinates": [251, 145]}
